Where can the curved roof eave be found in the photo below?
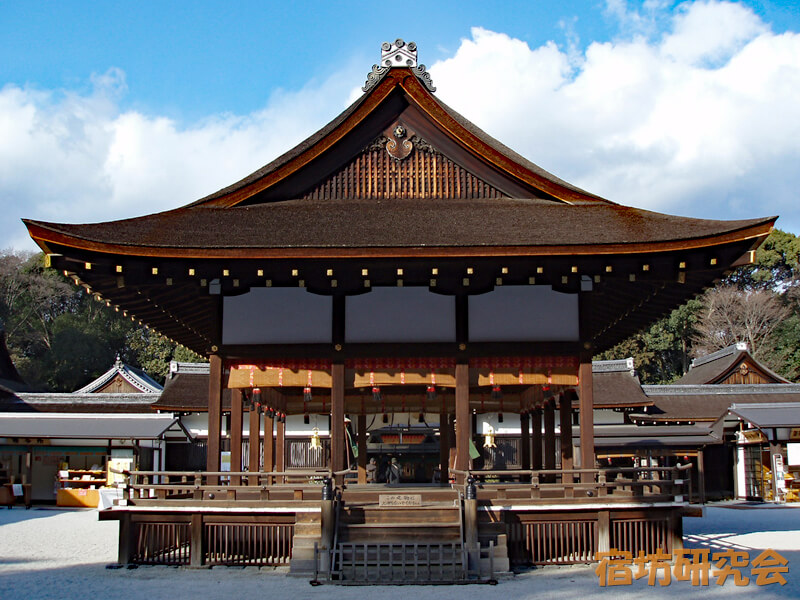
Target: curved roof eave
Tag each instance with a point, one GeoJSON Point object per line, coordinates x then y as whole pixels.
{"type": "Point", "coordinates": [54, 234]}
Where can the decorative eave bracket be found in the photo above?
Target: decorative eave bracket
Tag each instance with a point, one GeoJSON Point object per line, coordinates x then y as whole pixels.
{"type": "Point", "coordinates": [398, 54]}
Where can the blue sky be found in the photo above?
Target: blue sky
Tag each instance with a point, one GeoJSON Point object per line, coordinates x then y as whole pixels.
{"type": "Point", "coordinates": [190, 59]}
{"type": "Point", "coordinates": [110, 109]}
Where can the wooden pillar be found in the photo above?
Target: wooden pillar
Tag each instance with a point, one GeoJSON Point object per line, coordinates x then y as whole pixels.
{"type": "Point", "coordinates": [214, 416]}
{"type": "Point", "coordinates": [362, 448]}
{"type": "Point", "coordinates": [196, 553]}
{"type": "Point", "coordinates": [463, 420]}
{"type": "Point", "coordinates": [444, 446]}
{"type": "Point", "coordinates": [603, 531]}
{"type": "Point", "coordinates": [586, 415]}
{"type": "Point", "coordinates": [280, 449]}
{"type": "Point", "coordinates": [549, 438]}
{"type": "Point", "coordinates": [525, 441]}
{"type": "Point", "coordinates": [269, 445]}
{"type": "Point", "coordinates": [565, 421]}
{"type": "Point", "coordinates": [127, 541]}
{"type": "Point", "coordinates": [255, 443]}
{"type": "Point", "coordinates": [236, 435]}
{"type": "Point", "coordinates": [337, 419]}
{"type": "Point", "coordinates": [701, 478]}
{"type": "Point", "coordinates": [536, 439]}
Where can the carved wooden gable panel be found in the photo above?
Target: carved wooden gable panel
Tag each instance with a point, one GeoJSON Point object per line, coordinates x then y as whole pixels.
{"type": "Point", "coordinates": [400, 164]}
{"type": "Point", "coordinates": [747, 373]}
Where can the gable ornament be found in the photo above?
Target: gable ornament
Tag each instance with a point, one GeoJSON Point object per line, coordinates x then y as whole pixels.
{"type": "Point", "coordinates": [398, 54]}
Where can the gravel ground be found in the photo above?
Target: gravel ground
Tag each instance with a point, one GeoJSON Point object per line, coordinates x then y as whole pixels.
{"type": "Point", "coordinates": [48, 554]}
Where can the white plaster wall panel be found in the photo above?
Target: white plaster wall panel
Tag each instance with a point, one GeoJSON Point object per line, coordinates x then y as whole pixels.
{"type": "Point", "coordinates": [400, 314]}
{"type": "Point", "coordinates": [523, 314]}
{"type": "Point", "coordinates": [277, 316]}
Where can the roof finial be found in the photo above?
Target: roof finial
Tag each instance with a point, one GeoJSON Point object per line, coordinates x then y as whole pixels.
{"type": "Point", "coordinates": [398, 54]}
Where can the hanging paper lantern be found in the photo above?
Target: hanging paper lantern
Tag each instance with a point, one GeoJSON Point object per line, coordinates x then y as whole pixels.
{"type": "Point", "coordinates": [430, 393]}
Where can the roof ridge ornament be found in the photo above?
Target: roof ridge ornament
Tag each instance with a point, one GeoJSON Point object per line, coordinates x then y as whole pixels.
{"type": "Point", "coordinates": [398, 54]}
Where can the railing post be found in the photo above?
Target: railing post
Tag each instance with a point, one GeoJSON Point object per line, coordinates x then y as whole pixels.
{"type": "Point", "coordinates": [536, 492]}
{"type": "Point", "coordinates": [471, 524]}
{"type": "Point", "coordinates": [126, 490]}
{"type": "Point", "coordinates": [326, 525]}
{"type": "Point", "coordinates": [602, 489]}
{"type": "Point", "coordinates": [197, 494]}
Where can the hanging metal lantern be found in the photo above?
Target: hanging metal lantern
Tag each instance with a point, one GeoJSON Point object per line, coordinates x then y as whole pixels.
{"type": "Point", "coordinates": [315, 441]}
{"type": "Point", "coordinates": [488, 438]}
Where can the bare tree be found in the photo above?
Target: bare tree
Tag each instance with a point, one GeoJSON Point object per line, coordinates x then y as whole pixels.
{"type": "Point", "coordinates": [731, 315]}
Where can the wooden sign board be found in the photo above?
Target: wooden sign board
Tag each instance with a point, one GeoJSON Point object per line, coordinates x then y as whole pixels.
{"type": "Point", "coordinates": [400, 500]}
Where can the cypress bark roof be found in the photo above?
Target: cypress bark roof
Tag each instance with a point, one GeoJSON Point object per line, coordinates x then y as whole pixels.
{"type": "Point", "coordinates": [716, 367]}
{"type": "Point", "coordinates": [371, 224]}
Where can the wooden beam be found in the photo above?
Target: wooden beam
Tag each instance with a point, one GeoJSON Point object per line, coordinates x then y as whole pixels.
{"type": "Point", "coordinates": [236, 435]}
{"type": "Point", "coordinates": [362, 448]}
{"type": "Point", "coordinates": [214, 416]}
{"type": "Point", "coordinates": [337, 418]}
{"type": "Point", "coordinates": [586, 414]}
{"type": "Point", "coordinates": [255, 443]}
{"type": "Point", "coordinates": [463, 419]}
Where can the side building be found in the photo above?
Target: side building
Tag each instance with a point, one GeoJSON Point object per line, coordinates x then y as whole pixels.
{"type": "Point", "coordinates": [62, 444]}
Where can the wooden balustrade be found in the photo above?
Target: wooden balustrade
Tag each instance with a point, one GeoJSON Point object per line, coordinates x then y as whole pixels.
{"type": "Point", "coordinates": [540, 486]}
{"type": "Point", "coordinates": [611, 484]}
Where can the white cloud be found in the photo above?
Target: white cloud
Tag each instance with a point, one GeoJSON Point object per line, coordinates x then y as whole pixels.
{"type": "Point", "coordinates": [700, 120]}
{"type": "Point", "coordinates": [79, 158]}
{"type": "Point", "coordinates": [696, 117]}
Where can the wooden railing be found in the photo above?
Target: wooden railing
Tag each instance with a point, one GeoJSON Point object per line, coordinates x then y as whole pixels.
{"type": "Point", "coordinates": [619, 483]}
{"type": "Point", "coordinates": [537, 486]}
{"type": "Point", "coordinates": [144, 486]}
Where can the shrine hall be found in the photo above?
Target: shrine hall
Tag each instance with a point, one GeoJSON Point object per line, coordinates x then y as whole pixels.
{"type": "Point", "coordinates": [399, 266]}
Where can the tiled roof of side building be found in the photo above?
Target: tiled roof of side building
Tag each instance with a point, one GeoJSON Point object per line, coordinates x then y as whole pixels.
{"type": "Point", "coordinates": [709, 402]}
{"type": "Point", "coordinates": [79, 403]}
{"type": "Point", "coordinates": [186, 389]}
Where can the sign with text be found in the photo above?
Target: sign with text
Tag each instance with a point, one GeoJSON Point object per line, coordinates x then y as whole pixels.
{"type": "Point", "coordinates": [400, 500]}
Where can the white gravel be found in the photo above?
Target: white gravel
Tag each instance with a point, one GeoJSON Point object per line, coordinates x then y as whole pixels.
{"type": "Point", "coordinates": [62, 554]}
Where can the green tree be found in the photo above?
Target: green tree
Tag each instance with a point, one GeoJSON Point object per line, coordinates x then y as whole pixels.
{"type": "Point", "coordinates": [60, 337]}
{"type": "Point", "coordinates": [775, 264]}
{"type": "Point", "coordinates": [153, 352]}
{"type": "Point", "coordinates": [661, 352]}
